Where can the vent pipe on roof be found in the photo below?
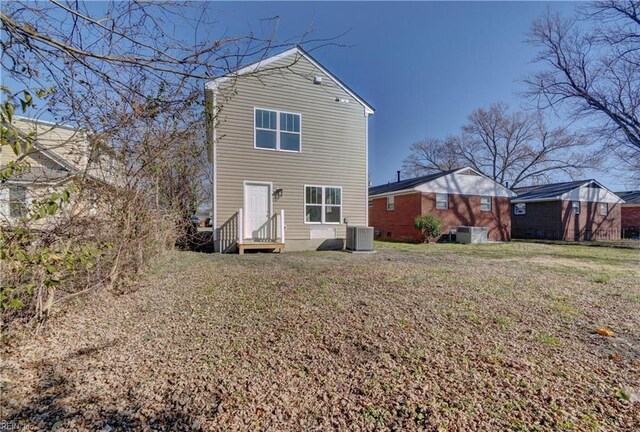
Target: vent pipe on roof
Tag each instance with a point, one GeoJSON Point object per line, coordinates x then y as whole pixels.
{"type": "Point", "coordinates": [398, 175]}
{"type": "Point", "coordinates": [506, 184]}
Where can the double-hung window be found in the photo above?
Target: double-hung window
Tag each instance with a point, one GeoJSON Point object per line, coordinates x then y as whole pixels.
{"type": "Point", "coordinates": [575, 205]}
{"type": "Point", "coordinates": [390, 202]}
{"type": "Point", "coordinates": [604, 209]}
{"type": "Point", "coordinates": [485, 203]}
{"type": "Point", "coordinates": [323, 204]}
{"type": "Point", "coordinates": [17, 201]}
{"type": "Point", "coordinates": [277, 130]}
{"type": "Point", "coordinates": [442, 201]}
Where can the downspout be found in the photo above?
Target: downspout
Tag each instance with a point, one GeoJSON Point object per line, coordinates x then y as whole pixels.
{"type": "Point", "coordinates": [214, 167]}
{"type": "Point", "coordinates": [211, 136]}
{"type": "Point", "coordinates": [366, 173]}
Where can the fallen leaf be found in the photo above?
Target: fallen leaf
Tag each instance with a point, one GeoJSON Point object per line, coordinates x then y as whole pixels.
{"type": "Point", "coordinates": [615, 357]}
{"type": "Point", "coordinates": [603, 331]}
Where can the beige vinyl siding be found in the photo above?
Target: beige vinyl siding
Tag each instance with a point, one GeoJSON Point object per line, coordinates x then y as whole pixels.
{"type": "Point", "coordinates": [333, 144]}
{"type": "Point", "coordinates": [66, 143]}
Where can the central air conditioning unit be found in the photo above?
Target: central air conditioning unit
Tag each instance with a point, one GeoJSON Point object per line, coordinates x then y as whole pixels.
{"type": "Point", "coordinates": [359, 239]}
{"type": "Point", "coordinates": [471, 234]}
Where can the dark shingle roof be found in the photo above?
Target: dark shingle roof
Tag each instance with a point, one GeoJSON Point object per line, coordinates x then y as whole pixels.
{"type": "Point", "coordinates": [548, 191]}
{"type": "Point", "coordinates": [630, 197]}
{"type": "Point", "coordinates": [407, 184]}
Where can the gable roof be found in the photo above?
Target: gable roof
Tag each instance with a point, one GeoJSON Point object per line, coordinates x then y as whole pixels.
{"type": "Point", "coordinates": [630, 197]}
{"type": "Point", "coordinates": [462, 181]}
{"type": "Point", "coordinates": [254, 67]}
{"type": "Point", "coordinates": [64, 169]}
{"type": "Point", "coordinates": [564, 191]}
{"type": "Point", "coordinates": [549, 191]}
{"type": "Point", "coordinates": [407, 184]}
{"type": "Point", "coordinates": [40, 175]}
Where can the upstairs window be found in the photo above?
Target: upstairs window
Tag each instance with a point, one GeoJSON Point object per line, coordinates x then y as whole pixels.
{"type": "Point", "coordinates": [390, 202]}
{"type": "Point", "coordinates": [604, 209]}
{"type": "Point", "coordinates": [575, 205]}
{"type": "Point", "coordinates": [485, 203]}
{"type": "Point", "coordinates": [442, 201]}
{"type": "Point", "coordinates": [276, 130]}
{"type": "Point", "coordinates": [323, 204]}
{"type": "Point", "coordinates": [520, 209]}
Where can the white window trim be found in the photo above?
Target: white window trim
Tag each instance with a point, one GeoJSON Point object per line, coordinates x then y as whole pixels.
{"type": "Point", "coordinates": [391, 199]}
{"type": "Point", "coordinates": [605, 207]}
{"type": "Point", "coordinates": [276, 130]}
{"type": "Point", "coordinates": [446, 207]}
{"type": "Point", "coordinates": [573, 209]}
{"type": "Point", "coordinates": [9, 201]}
{"type": "Point", "coordinates": [490, 203]}
{"type": "Point", "coordinates": [323, 205]}
{"type": "Point", "coordinates": [524, 207]}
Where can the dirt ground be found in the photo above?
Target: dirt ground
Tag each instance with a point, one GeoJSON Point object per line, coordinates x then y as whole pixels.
{"type": "Point", "coordinates": [415, 337]}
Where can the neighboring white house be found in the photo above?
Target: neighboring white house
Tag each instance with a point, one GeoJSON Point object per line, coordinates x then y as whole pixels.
{"type": "Point", "coordinates": [288, 145]}
{"type": "Point", "coordinates": [59, 155]}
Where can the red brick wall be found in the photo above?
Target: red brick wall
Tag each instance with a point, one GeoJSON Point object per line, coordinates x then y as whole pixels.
{"type": "Point", "coordinates": [590, 224]}
{"type": "Point", "coordinates": [630, 217]}
{"type": "Point", "coordinates": [396, 224]}
{"type": "Point", "coordinates": [464, 210]}
{"type": "Point", "coordinates": [541, 221]}
{"type": "Point", "coordinates": [554, 220]}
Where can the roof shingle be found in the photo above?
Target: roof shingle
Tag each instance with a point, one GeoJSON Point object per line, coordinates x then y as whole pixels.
{"type": "Point", "coordinates": [548, 191]}
{"type": "Point", "coordinates": [630, 197]}
{"type": "Point", "coordinates": [407, 184]}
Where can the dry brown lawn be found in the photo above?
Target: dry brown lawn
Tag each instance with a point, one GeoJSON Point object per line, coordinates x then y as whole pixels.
{"type": "Point", "coordinates": [416, 337]}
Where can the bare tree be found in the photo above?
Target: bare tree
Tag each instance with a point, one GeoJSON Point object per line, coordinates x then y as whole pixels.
{"type": "Point", "coordinates": [431, 155]}
{"type": "Point", "coordinates": [509, 147]}
{"type": "Point", "coordinates": [131, 75]}
{"type": "Point", "coordinates": [593, 70]}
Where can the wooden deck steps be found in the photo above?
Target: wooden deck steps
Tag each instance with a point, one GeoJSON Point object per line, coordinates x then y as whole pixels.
{"type": "Point", "coordinates": [260, 245]}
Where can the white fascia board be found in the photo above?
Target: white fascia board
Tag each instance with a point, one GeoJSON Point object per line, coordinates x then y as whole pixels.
{"type": "Point", "coordinates": [386, 194]}
{"type": "Point", "coordinates": [459, 184]}
{"type": "Point", "coordinates": [586, 194]}
{"type": "Point", "coordinates": [48, 123]}
{"type": "Point", "coordinates": [519, 200]}
{"type": "Point", "coordinates": [213, 84]}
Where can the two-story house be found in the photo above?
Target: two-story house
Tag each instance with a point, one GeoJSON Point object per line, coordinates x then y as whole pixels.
{"type": "Point", "coordinates": [288, 149]}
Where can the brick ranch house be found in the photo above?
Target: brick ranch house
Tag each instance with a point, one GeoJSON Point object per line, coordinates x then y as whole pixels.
{"type": "Point", "coordinates": [571, 211]}
{"type": "Point", "coordinates": [630, 211]}
{"type": "Point", "coordinates": [462, 197]}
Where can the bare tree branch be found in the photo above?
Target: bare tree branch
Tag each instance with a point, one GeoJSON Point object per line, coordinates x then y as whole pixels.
{"type": "Point", "coordinates": [508, 147]}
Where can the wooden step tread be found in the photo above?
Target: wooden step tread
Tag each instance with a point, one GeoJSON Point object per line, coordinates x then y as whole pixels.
{"type": "Point", "coordinates": [260, 245]}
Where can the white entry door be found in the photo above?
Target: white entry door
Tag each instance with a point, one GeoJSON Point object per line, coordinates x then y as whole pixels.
{"type": "Point", "coordinates": [257, 207]}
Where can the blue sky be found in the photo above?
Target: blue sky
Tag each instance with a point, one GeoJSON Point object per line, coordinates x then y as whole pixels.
{"type": "Point", "coordinates": [423, 65]}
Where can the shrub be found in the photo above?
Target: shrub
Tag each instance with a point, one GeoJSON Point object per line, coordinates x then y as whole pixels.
{"type": "Point", "coordinates": [429, 225]}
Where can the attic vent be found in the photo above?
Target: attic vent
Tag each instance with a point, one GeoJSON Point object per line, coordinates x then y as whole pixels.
{"type": "Point", "coordinates": [468, 172]}
{"type": "Point", "coordinates": [317, 80]}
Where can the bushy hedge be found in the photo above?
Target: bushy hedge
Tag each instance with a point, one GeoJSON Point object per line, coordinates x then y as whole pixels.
{"type": "Point", "coordinates": [429, 225]}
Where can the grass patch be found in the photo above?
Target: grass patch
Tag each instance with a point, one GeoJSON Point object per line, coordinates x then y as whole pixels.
{"type": "Point", "coordinates": [412, 337]}
{"type": "Point", "coordinates": [603, 278]}
{"type": "Point", "coordinates": [502, 321]}
{"type": "Point", "coordinates": [549, 340]}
